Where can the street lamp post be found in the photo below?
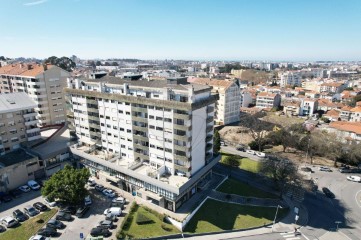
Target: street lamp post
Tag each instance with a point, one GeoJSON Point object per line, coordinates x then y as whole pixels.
{"type": "Point", "coordinates": [274, 220]}
{"type": "Point", "coordinates": [337, 223]}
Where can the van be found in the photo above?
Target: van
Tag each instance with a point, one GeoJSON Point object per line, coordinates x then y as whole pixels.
{"type": "Point", "coordinates": [116, 211]}
{"type": "Point", "coordinates": [33, 185]}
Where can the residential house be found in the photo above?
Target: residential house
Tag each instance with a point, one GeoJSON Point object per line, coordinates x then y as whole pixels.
{"type": "Point", "coordinates": [332, 115]}
{"type": "Point", "coordinates": [291, 108]}
{"type": "Point", "coordinates": [308, 106]}
{"type": "Point", "coordinates": [345, 113]}
{"type": "Point", "coordinates": [332, 87]}
{"type": "Point", "coordinates": [246, 99]}
{"type": "Point", "coordinates": [347, 131]}
{"type": "Point", "coordinates": [355, 114]}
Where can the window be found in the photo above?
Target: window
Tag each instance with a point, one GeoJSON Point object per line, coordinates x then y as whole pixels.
{"type": "Point", "coordinates": [120, 111]}
{"type": "Point", "coordinates": [151, 127]}
{"type": "Point", "coordinates": [151, 117]}
{"type": "Point", "coordinates": [159, 118]}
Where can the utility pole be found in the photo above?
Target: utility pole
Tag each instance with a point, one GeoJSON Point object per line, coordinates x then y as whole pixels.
{"type": "Point", "coordinates": [274, 220]}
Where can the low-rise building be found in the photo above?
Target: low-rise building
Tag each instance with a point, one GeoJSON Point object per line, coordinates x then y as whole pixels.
{"type": "Point", "coordinates": [345, 113]}
{"type": "Point", "coordinates": [268, 100]}
{"type": "Point", "coordinates": [332, 115]}
{"type": "Point", "coordinates": [308, 106]}
{"type": "Point", "coordinates": [18, 121]}
{"type": "Point", "coordinates": [332, 87]}
{"type": "Point", "coordinates": [246, 99]}
{"type": "Point", "coordinates": [347, 131]}
{"type": "Point", "coordinates": [291, 108]}
{"type": "Point", "coordinates": [355, 114]}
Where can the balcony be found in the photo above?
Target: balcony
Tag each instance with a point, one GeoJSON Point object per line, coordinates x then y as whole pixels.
{"type": "Point", "coordinates": [209, 138]}
{"type": "Point", "coordinates": [31, 122]}
{"type": "Point", "coordinates": [140, 137]}
{"type": "Point", "coordinates": [30, 114]}
{"type": "Point", "coordinates": [139, 109]}
{"type": "Point", "coordinates": [92, 125]}
{"type": "Point", "coordinates": [209, 119]}
{"type": "Point", "coordinates": [139, 119]}
{"type": "Point", "coordinates": [209, 128]}
{"type": "Point", "coordinates": [182, 127]}
{"type": "Point", "coordinates": [140, 128]}
{"type": "Point", "coordinates": [210, 109]}
{"type": "Point", "coordinates": [209, 147]}
{"type": "Point", "coordinates": [184, 138]}
{"type": "Point", "coordinates": [182, 116]}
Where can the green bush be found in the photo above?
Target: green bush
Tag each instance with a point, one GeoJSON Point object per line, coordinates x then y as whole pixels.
{"type": "Point", "coordinates": [166, 228]}
{"type": "Point", "coordinates": [143, 219]}
{"type": "Point", "coordinates": [232, 161]}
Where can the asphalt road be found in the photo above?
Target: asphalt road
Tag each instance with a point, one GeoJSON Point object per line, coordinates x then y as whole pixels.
{"type": "Point", "coordinates": [323, 212]}
{"type": "Point", "coordinates": [232, 150]}
{"type": "Point", "coordinates": [271, 236]}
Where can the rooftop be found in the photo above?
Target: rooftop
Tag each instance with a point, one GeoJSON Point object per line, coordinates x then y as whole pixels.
{"type": "Point", "coordinates": [14, 157]}
{"type": "Point", "coordinates": [12, 102]}
{"type": "Point", "coordinates": [213, 82]}
{"type": "Point", "coordinates": [22, 69]}
{"type": "Point", "coordinates": [354, 127]}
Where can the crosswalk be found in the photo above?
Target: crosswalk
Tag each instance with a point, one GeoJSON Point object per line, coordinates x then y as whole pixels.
{"type": "Point", "coordinates": [290, 236]}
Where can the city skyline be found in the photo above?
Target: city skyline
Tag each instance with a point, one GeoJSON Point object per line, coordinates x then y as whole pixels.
{"type": "Point", "coordinates": [202, 30]}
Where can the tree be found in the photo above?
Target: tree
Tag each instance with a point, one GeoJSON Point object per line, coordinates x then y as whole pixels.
{"type": "Point", "coordinates": [231, 160]}
{"type": "Point", "coordinates": [258, 129]}
{"type": "Point", "coordinates": [67, 185]}
{"type": "Point", "coordinates": [216, 142]}
{"type": "Point", "coordinates": [281, 170]}
{"type": "Point", "coordinates": [282, 137]}
{"type": "Point", "coordinates": [353, 153]}
{"type": "Point", "coordinates": [64, 62]}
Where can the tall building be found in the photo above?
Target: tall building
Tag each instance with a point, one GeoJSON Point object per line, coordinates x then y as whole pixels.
{"type": "Point", "coordinates": [17, 121]}
{"type": "Point", "coordinates": [151, 138]}
{"type": "Point", "coordinates": [229, 102]}
{"type": "Point", "coordinates": [290, 79]}
{"type": "Point", "coordinates": [43, 84]}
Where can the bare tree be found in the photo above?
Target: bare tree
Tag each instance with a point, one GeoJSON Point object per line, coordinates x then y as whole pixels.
{"type": "Point", "coordinates": [258, 129]}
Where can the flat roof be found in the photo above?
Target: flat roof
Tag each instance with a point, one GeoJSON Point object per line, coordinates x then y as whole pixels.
{"type": "Point", "coordinates": [11, 102]}
{"type": "Point", "coordinates": [14, 157]}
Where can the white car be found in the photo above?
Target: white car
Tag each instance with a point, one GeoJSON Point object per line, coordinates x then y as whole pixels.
{"type": "Point", "coordinates": [261, 154]}
{"type": "Point", "coordinates": [49, 203]}
{"type": "Point", "coordinates": [109, 193]}
{"type": "Point", "coordinates": [119, 200]}
{"type": "Point", "coordinates": [116, 211]}
{"type": "Point", "coordinates": [87, 201]}
{"type": "Point", "coordinates": [39, 237]}
{"type": "Point", "coordinates": [354, 178]}
{"type": "Point", "coordinates": [325, 169]}
{"type": "Point", "coordinates": [33, 185]}
{"type": "Point", "coordinates": [251, 152]}
{"type": "Point", "coordinates": [24, 188]}
{"type": "Point", "coordinates": [9, 222]}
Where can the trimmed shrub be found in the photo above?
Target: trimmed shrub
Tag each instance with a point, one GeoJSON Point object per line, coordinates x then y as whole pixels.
{"type": "Point", "coordinates": [143, 219]}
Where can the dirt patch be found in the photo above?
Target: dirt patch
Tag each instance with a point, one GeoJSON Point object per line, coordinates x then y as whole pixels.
{"type": "Point", "coordinates": [299, 157]}
{"type": "Point", "coordinates": [284, 121]}
{"type": "Point", "coordinates": [235, 135]}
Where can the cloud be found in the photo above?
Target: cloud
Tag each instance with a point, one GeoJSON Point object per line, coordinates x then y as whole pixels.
{"type": "Point", "coordinates": [35, 3]}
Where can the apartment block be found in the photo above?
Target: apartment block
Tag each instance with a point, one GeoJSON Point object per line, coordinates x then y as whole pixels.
{"type": "Point", "coordinates": [43, 84]}
{"type": "Point", "coordinates": [18, 121]}
{"type": "Point", "coordinates": [268, 100]}
{"type": "Point", "coordinates": [229, 102]}
{"type": "Point", "coordinates": [290, 79]}
{"type": "Point", "coordinates": [151, 138]}
{"type": "Point", "coordinates": [308, 106]}
{"type": "Point", "coordinates": [332, 87]}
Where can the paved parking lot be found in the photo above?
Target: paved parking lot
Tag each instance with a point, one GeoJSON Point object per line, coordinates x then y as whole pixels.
{"type": "Point", "coordinates": [75, 227]}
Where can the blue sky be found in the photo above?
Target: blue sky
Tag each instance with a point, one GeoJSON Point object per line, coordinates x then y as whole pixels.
{"type": "Point", "coordinates": [182, 29]}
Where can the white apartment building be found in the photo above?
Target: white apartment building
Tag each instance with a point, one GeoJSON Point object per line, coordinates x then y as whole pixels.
{"type": "Point", "coordinates": [268, 100]}
{"type": "Point", "coordinates": [18, 121]}
{"type": "Point", "coordinates": [246, 99]}
{"type": "Point", "coordinates": [332, 87]}
{"type": "Point", "coordinates": [43, 84]}
{"type": "Point", "coordinates": [228, 104]}
{"type": "Point", "coordinates": [290, 79]}
{"type": "Point", "coordinates": [308, 106]}
{"type": "Point", "coordinates": [151, 138]}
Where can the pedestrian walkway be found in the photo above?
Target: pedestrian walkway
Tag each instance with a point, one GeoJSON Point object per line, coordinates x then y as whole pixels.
{"type": "Point", "coordinates": [233, 198]}
{"type": "Point", "coordinates": [290, 236]}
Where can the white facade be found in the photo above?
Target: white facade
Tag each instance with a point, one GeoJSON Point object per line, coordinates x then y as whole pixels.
{"type": "Point", "coordinates": [268, 100]}
{"type": "Point", "coordinates": [290, 79]}
{"type": "Point", "coordinates": [246, 99]}
{"type": "Point", "coordinates": [308, 107]}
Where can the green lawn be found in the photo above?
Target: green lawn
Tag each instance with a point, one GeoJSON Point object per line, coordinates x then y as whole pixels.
{"type": "Point", "coordinates": [245, 163]}
{"type": "Point", "coordinates": [29, 227]}
{"type": "Point", "coordinates": [216, 216]}
{"type": "Point", "coordinates": [240, 188]}
{"type": "Point", "coordinates": [156, 228]}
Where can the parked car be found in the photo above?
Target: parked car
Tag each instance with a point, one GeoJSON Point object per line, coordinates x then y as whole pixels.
{"type": "Point", "coordinates": [223, 143]}
{"type": "Point", "coordinates": [119, 200]}
{"type": "Point", "coordinates": [250, 152]}
{"type": "Point", "coordinates": [345, 170]}
{"type": "Point", "coordinates": [91, 182]}
{"type": "Point", "coordinates": [24, 188]}
{"type": "Point", "coordinates": [325, 169]}
{"type": "Point", "coordinates": [99, 188]}
{"type": "Point", "coordinates": [81, 211]}
{"type": "Point", "coordinates": [16, 193]}
{"type": "Point", "coordinates": [87, 200]}
{"type": "Point", "coordinates": [306, 169]}
{"type": "Point", "coordinates": [9, 222]}
{"type": "Point", "coordinates": [38, 237]}
{"type": "Point", "coordinates": [117, 211]}
{"type": "Point", "coordinates": [2, 228]}
{"type": "Point", "coordinates": [19, 215]}
{"type": "Point", "coordinates": [260, 154]}
{"type": "Point", "coordinates": [48, 232]}
{"type": "Point", "coordinates": [49, 202]}
{"type": "Point", "coordinates": [96, 232]}
{"type": "Point", "coordinates": [40, 206]}
{"type": "Point", "coordinates": [241, 149]}
{"type": "Point", "coordinates": [111, 217]}
{"type": "Point", "coordinates": [106, 224]}
{"type": "Point", "coordinates": [6, 197]}
{"type": "Point", "coordinates": [355, 170]}
{"type": "Point", "coordinates": [354, 178]}
{"type": "Point", "coordinates": [109, 193]}
{"type": "Point", "coordinates": [63, 216]}
{"type": "Point", "coordinates": [31, 211]}
{"type": "Point", "coordinates": [69, 209]}
{"type": "Point", "coordinates": [53, 223]}
{"type": "Point", "coordinates": [33, 185]}
{"type": "Point", "coordinates": [328, 193]}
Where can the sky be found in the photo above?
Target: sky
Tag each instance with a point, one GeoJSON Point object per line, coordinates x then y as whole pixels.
{"type": "Point", "coordinates": [291, 30]}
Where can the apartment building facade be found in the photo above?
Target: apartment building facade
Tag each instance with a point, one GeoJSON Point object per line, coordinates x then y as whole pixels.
{"type": "Point", "coordinates": [43, 84]}
{"type": "Point", "coordinates": [229, 102]}
{"type": "Point", "coordinates": [151, 138]}
{"type": "Point", "coordinates": [308, 106]}
{"type": "Point", "coordinates": [332, 87]}
{"type": "Point", "coordinates": [290, 79]}
{"type": "Point", "coordinates": [18, 121]}
{"type": "Point", "coordinates": [268, 100]}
